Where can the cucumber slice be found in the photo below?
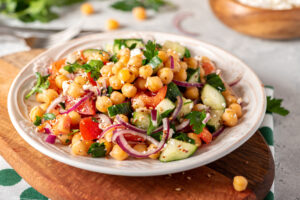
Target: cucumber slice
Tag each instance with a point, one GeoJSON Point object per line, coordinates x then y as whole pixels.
{"type": "Point", "coordinates": [194, 76]}
{"type": "Point", "coordinates": [127, 43]}
{"type": "Point", "coordinates": [173, 91]}
{"type": "Point", "coordinates": [165, 106]}
{"type": "Point", "coordinates": [122, 108]}
{"type": "Point", "coordinates": [215, 121]}
{"type": "Point", "coordinates": [175, 46]}
{"type": "Point", "coordinates": [186, 107]}
{"type": "Point", "coordinates": [92, 54]}
{"type": "Point", "coordinates": [141, 119]}
{"type": "Point", "coordinates": [213, 98]}
{"type": "Point", "coordinates": [177, 150]}
{"type": "Point", "coordinates": [155, 63]}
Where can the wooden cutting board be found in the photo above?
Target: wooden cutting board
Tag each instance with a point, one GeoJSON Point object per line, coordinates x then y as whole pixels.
{"type": "Point", "coordinates": [62, 182]}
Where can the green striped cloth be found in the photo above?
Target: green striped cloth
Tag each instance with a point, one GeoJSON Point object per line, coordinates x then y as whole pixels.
{"type": "Point", "coordinates": [12, 186]}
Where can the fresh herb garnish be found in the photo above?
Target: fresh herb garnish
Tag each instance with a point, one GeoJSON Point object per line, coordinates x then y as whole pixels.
{"type": "Point", "coordinates": [150, 51]}
{"type": "Point", "coordinates": [274, 106]}
{"type": "Point", "coordinates": [114, 58]}
{"type": "Point", "coordinates": [97, 150]}
{"type": "Point", "coordinates": [49, 116]}
{"type": "Point", "coordinates": [183, 137]}
{"type": "Point", "coordinates": [196, 120]}
{"type": "Point", "coordinates": [42, 83]}
{"type": "Point", "coordinates": [187, 53]}
{"type": "Point", "coordinates": [109, 90]}
{"type": "Point", "coordinates": [94, 67]}
{"type": "Point", "coordinates": [128, 5]}
{"type": "Point", "coordinates": [155, 62]}
{"type": "Point", "coordinates": [73, 131]}
{"type": "Point", "coordinates": [38, 121]}
{"type": "Point", "coordinates": [67, 141]}
{"type": "Point", "coordinates": [63, 105]}
{"type": "Point", "coordinates": [120, 43]}
{"type": "Point", "coordinates": [215, 81]}
{"type": "Point", "coordinates": [94, 119]}
{"type": "Point", "coordinates": [157, 136]}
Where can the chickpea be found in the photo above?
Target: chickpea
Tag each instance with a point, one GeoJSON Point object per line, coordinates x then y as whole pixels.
{"type": "Point", "coordinates": [229, 117]}
{"type": "Point", "coordinates": [36, 111]}
{"type": "Point", "coordinates": [129, 90]}
{"type": "Point", "coordinates": [117, 153]}
{"type": "Point", "coordinates": [195, 137]}
{"type": "Point", "coordinates": [140, 147]}
{"type": "Point", "coordinates": [62, 124]}
{"type": "Point", "coordinates": [117, 67]}
{"type": "Point", "coordinates": [44, 106]}
{"type": "Point", "coordinates": [103, 81]}
{"type": "Point", "coordinates": [109, 135]}
{"type": "Point", "coordinates": [237, 108]}
{"type": "Point", "coordinates": [136, 61]}
{"type": "Point", "coordinates": [145, 71]}
{"type": "Point", "coordinates": [108, 145]}
{"type": "Point", "coordinates": [191, 62]}
{"type": "Point", "coordinates": [199, 107]}
{"type": "Point", "coordinates": [176, 65]}
{"type": "Point", "coordinates": [115, 83]}
{"type": "Point", "coordinates": [230, 99]}
{"type": "Point", "coordinates": [63, 71]}
{"type": "Point", "coordinates": [123, 117]}
{"type": "Point", "coordinates": [174, 54]}
{"type": "Point", "coordinates": [181, 75]}
{"type": "Point", "coordinates": [192, 93]}
{"type": "Point", "coordinates": [75, 90]}
{"type": "Point", "coordinates": [59, 80]}
{"type": "Point", "coordinates": [75, 117]}
{"type": "Point", "coordinates": [153, 156]}
{"type": "Point", "coordinates": [138, 103]}
{"type": "Point", "coordinates": [106, 70]}
{"type": "Point", "coordinates": [240, 183]}
{"type": "Point", "coordinates": [163, 56]}
{"type": "Point", "coordinates": [104, 56]}
{"type": "Point", "coordinates": [124, 74]}
{"type": "Point", "coordinates": [134, 70]}
{"type": "Point", "coordinates": [166, 75]}
{"type": "Point", "coordinates": [183, 65]}
{"type": "Point", "coordinates": [102, 103]}
{"type": "Point", "coordinates": [202, 75]}
{"type": "Point", "coordinates": [112, 24]}
{"type": "Point", "coordinates": [81, 148]}
{"type": "Point", "coordinates": [87, 9]}
{"type": "Point", "coordinates": [47, 96]}
{"type": "Point", "coordinates": [139, 13]}
{"type": "Point", "coordinates": [140, 83]}
{"type": "Point", "coordinates": [124, 52]}
{"type": "Point", "coordinates": [124, 59]}
{"type": "Point", "coordinates": [117, 97]}
{"type": "Point", "coordinates": [64, 138]}
{"type": "Point", "coordinates": [154, 83]}
{"type": "Point", "coordinates": [76, 137]}
{"type": "Point", "coordinates": [81, 80]}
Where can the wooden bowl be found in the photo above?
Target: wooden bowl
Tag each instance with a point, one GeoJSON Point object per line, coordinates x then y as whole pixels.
{"type": "Point", "coordinates": [258, 22]}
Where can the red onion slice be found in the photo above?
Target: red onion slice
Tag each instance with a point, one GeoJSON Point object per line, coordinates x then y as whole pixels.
{"type": "Point", "coordinates": [109, 128]}
{"type": "Point", "coordinates": [104, 121]}
{"type": "Point", "coordinates": [236, 81]}
{"type": "Point", "coordinates": [177, 109]}
{"type": "Point", "coordinates": [55, 102]}
{"type": "Point", "coordinates": [207, 118]}
{"type": "Point", "coordinates": [219, 131]}
{"type": "Point", "coordinates": [178, 20]}
{"type": "Point", "coordinates": [186, 84]}
{"type": "Point", "coordinates": [121, 141]}
{"type": "Point", "coordinates": [83, 99]}
{"type": "Point", "coordinates": [183, 125]}
{"type": "Point", "coordinates": [130, 126]}
{"type": "Point", "coordinates": [154, 117]}
{"type": "Point", "coordinates": [172, 62]}
{"type": "Point", "coordinates": [51, 139]}
{"type": "Point", "coordinates": [47, 130]}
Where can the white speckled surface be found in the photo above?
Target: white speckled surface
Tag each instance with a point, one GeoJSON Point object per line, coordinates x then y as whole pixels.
{"type": "Point", "coordinates": [277, 63]}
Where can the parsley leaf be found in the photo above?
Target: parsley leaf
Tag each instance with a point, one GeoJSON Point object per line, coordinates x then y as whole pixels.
{"type": "Point", "coordinates": [94, 66]}
{"type": "Point", "coordinates": [73, 131]}
{"type": "Point", "coordinates": [128, 5]}
{"type": "Point", "coordinates": [114, 58]}
{"type": "Point", "coordinates": [38, 121]}
{"type": "Point", "coordinates": [42, 83]}
{"type": "Point", "coordinates": [63, 105]}
{"type": "Point", "coordinates": [196, 120]}
{"type": "Point", "coordinates": [274, 106]}
{"type": "Point", "coordinates": [97, 150]}
{"type": "Point", "coordinates": [183, 137]}
{"type": "Point", "coordinates": [109, 90]}
{"type": "Point", "coordinates": [150, 51]}
{"type": "Point", "coordinates": [49, 116]}
{"type": "Point", "coordinates": [187, 53]}
{"type": "Point", "coordinates": [215, 81]}
{"type": "Point", "coordinates": [157, 136]}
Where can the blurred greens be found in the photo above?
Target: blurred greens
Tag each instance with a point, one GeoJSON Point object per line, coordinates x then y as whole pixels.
{"type": "Point", "coordinates": [128, 5]}
{"type": "Point", "coordinates": [33, 10]}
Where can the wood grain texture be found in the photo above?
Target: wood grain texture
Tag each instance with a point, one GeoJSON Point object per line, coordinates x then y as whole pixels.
{"type": "Point", "coordinates": [263, 23]}
{"type": "Point", "coordinates": [59, 181]}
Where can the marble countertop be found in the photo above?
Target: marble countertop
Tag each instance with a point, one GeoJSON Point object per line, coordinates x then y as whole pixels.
{"type": "Point", "coordinates": [277, 63]}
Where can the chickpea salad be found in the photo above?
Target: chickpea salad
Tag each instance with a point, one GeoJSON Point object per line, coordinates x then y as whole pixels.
{"type": "Point", "coordinates": [133, 99]}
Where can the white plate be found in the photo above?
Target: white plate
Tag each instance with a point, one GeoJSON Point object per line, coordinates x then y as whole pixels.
{"type": "Point", "coordinates": [249, 88]}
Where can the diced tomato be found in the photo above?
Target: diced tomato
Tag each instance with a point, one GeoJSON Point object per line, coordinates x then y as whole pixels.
{"type": "Point", "coordinates": [92, 81]}
{"type": "Point", "coordinates": [208, 67]}
{"type": "Point", "coordinates": [151, 100]}
{"type": "Point", "coordinates": [62, 125]}
{"type": "Point", "coordinates": [89, 129]}
{"type": "Point", "coordinates": [86, 108]}
{"type": "Point", "coordinates": [206, 136]}
{"type": "Point", "coordinates": [57, 65]}
{"type": "Point", "coordinates": [133, 138]}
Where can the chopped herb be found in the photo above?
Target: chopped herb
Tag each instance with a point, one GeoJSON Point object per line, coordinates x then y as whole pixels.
{"type": "Point", "coordinates": [172, 92]}
{"type": "Point", "coordinates": [196, 120]}
{"type": "Point", "coordinates": [109, 90]}
{"type": "Point", "coordinates": [42, 83]}
{"type": "Point", "coordinates": [274, 106]}
{"type": "Point", "coordinates": [73, 131]}
{"type": "Point", "coordinates": [215, 81]}
{"type": "Point", "coordinates": [157, 136]}
{"type": "Point", "coordinates": [97, 150]}
{"type": "Point", "coordinates": [94, 119]}
{"type": "Point", "coordinates": [150, 51]}
{"type": "Point", "coordinates": [120, 43]}
{"type": "Point", "coordinates": [155, 62]}
{"type": "Point", "coordinates": [114, 58]}
{"type": "Point", "coordinates": [132, 46]}
{"type": "Point", "coordinates": [67, 141]}
{"type": "Point", "coordinates": [183, 137]}
{"type": "Point", "coordinates": [187, 53]}
{"type": "Point", "coordinates": [128, 5]}
{"type": "Point", "coordinates": [49, 116]}
{"type": "Point", "coordinates": [71, 68]}
{"type": "Point", "coordinates": [122, 108]}
{"type": "Point", "coordinates": [38, 121]}
{"type": "Point", "coordinates": [94, 67]}
{"type": "Point", "coordinates": [63, 105]}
